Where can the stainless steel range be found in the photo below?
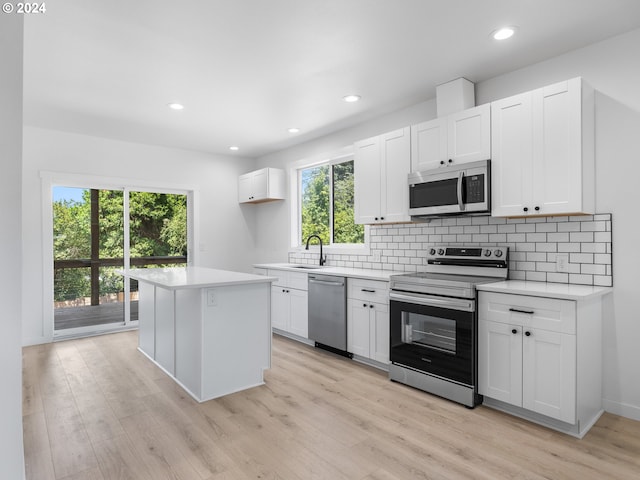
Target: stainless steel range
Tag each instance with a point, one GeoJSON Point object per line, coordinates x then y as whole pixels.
{"type": "Point", "coordinates": [434, 323]}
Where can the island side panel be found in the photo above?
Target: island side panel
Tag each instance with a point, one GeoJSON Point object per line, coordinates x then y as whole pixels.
{"type": "Point", "coordinates": [165, 329]}
{"type": "Point", "coordinates": [146, 319]}
{"type": "Point", "coordinates": [236, 338]}
{"type": "Point", "coordinates": [189, 340]}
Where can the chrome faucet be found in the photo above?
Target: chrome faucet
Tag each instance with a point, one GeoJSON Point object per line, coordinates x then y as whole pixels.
{"type": "Point", "coordinates": [323, 259]}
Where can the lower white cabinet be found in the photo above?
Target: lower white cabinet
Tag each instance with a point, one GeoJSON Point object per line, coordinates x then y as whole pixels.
{"type": "Point", "coordinates": [541, 356]}
{"type": "Point", "coordinates": [368, 319]}
{"type": "Point", "coordinates": [289, 309]}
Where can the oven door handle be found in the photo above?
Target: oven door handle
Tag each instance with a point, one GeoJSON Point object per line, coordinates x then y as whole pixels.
{"type": "Point", "coordinates": [461, 204]}
{"type": "Point", "coordinates": [428, 301]}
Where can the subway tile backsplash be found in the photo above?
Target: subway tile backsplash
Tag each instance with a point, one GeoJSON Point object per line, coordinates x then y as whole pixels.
{"type": "Point", "coordinates": [534, 244]}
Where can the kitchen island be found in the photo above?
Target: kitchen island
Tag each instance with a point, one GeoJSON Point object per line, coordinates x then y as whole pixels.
{"type": "Point", "coordinates": [210, 330]}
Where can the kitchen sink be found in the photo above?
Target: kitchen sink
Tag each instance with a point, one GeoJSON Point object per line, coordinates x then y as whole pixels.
{"type": "Point", "coordinates": [307, 267]}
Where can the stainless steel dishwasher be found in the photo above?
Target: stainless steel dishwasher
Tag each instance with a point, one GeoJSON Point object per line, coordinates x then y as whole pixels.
{"type": "Point", "coordinates": [328, 312]}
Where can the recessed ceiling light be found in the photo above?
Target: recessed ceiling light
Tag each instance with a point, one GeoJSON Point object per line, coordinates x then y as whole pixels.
{"type": "Point", "coordinates": [175, 106]}
{"type": "Point", "coordinates": [293, 130]}
{"type": "Point", "coordinates": [503, 33]}
{"type": "Point", "coordinates": [234, 148]}
{"type": "Point", "coordinates": [351, 98]}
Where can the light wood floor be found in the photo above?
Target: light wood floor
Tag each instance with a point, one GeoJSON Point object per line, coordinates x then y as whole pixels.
{"type": "Point", "coordinates": [95, 409]}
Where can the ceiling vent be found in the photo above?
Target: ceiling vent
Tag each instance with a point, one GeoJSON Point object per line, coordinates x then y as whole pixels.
{"type": "Point", "coordinates": [455, 96]}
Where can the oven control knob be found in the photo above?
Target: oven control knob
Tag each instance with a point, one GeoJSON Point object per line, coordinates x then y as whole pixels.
{"type": "Point", "coordinates": [432, 251]}
{"type": "Point", "coordinates": [498, 253]}
{"type": "Point", "coordinates": [487, 253]}
{"type": "Point", "coordinates": [440, 251]}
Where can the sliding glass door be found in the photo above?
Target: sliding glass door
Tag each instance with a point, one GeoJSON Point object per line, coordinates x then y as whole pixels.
{"type": "Point", "coordinates": [96, 233]}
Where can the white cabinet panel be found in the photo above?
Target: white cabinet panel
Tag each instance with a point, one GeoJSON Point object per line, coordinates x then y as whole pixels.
{"type": "Point", "coordinates": [543, 151]}
{"type": "Point", "coordinates": [457, 138]}
{"type": "Point", "coordinates": [261, 185]}
{"type": "Point", "coordinates": [549, 374]}
{"type": "Point", "coordinates": [146, 318]}
{"type": "Point", "coordinates": [165, 329]}
{"type": "Point", "coordinates": [428, 144]}
{"type": "Point", "coordinates": [379, 341]}
{"type": "Point", "coordinates": [381, 167]}
{"type": "Point", "coordinates": [469, 134]}
{"type": "Point", "coordinates": [358, 327]}
{"type": "Point", "coordinates": [500, 361]}
{"type": "Point", "coordinates": [279, 308]}
{"type": "Point", "coordinates": [299, 313]}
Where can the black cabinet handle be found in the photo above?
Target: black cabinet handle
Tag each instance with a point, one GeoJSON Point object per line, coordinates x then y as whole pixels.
{"type": "Point", "coordinates": [368, 290]}
{"type": "Point", "coordinates": [514, 331]}
{"type": "Point", "coordinates": [376, 218]}
{"type": "Point", "coordinates": [370, 306]}
{"type": "Point", "coordinates": [528, 312]}
{"type": "Point", "coordinates": [441, 162]}
{"type": "Point", "coordinates": [526, 209]}
{"type": "Point", "coordinates": [537, 209]}
{"type": "Point", "coordinates": [450, 160]}
{"type": "Point", "coordinates": [528, 334]}
{"type": "Point", "coordinates": [381, 218]}
{"type": "Point", "coordinates": [364, 305]}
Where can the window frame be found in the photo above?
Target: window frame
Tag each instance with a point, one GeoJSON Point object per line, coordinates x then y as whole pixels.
{"type": "Point", "coordinates": [296, 209]}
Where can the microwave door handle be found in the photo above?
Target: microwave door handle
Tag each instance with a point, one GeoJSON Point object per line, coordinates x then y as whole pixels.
{"type": "Point", "coordinates": [460, 202]}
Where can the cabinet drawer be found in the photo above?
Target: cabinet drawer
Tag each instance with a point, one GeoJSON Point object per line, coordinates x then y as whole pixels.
{"type": "Point", "coordinates": [536, 312]}
{"type": "Point", "coordinates": [368, 290]}
{"type": "Point", "coordinates": [297, 280]}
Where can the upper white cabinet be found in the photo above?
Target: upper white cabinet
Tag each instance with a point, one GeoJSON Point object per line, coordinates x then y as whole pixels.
{"type": "Point", "coordinates": [543, 151]}
{"type": "Point", "coordinates": [381, 191]}
{"type": "Point", "coordinates": [457, 138]}
{"type": "Point", "coordinates": [261, 185]}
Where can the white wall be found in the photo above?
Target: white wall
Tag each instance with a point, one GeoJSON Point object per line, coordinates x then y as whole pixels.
{"type": "Point", "coordinates": [11, 451]}
{"type": "Point", "coordinates": [226, 230]}
{"type": "Point", "coordinates": [612, 67]}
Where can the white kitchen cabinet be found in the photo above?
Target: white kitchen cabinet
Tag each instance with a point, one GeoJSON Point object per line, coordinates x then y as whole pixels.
{"type": "Point", "coordinates": [262, 185]}
{"type": "Point", "coordinates": [289, 298]}
{"type": "Point", "coordinates": [381, 167]}
{"type": "Point", "coordinates": [540, 358]}
{"type": "Point", "coordinates": [543, 151]}
{"type": "Point", "coordinates": [457, 138]}
{"type": "Point", "coordinates": [368, 319]}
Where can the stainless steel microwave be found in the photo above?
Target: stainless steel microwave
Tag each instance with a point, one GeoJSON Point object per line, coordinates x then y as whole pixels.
{"type": "Point", "coordinates": [451, 190]}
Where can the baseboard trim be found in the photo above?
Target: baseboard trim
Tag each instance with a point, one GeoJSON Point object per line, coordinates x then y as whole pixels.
{"type": "Point", "coordinates": [622, 409]}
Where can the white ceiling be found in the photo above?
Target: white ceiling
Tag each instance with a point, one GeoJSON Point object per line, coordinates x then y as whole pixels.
{"type": "Point", "coordinates": [247, 70]}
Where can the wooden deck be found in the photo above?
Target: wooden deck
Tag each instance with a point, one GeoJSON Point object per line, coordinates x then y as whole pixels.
{"type": "Point", "coordinates": [90, 315]}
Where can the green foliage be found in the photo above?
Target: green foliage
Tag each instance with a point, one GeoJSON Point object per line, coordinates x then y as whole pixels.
{"type": "Point", "coordinates": [316, 200]}
{"type": "Point", "coordinates": [157, 227]}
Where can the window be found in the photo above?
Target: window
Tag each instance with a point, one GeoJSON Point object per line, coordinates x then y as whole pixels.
{"type": "Point", "coordinates": [326, 204]}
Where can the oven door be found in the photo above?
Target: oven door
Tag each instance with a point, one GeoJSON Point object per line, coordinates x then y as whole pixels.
{"type": "Point", "coordinates": [434, 334]}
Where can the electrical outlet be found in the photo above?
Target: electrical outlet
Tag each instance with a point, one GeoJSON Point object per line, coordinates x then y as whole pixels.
{"type": "Point", "coordinates": [211, 298]}
{"type": "Point", "coordinates": [562, 262]}
{"type": "Point", "coordinates": [377, 254]}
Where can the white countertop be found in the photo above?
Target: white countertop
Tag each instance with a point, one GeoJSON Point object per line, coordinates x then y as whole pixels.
{"type": "Point", "coordinates": [193, 277]}
{"type": "Point", "coordinates": [542, 289]}
{"type": "Point", "coordinates": [368, 274]}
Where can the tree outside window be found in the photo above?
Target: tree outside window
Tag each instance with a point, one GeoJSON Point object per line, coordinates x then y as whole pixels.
{"type": "Point", "coordinates": [327, 204]}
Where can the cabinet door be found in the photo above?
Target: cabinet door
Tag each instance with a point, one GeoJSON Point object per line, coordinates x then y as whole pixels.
{"type": "Point", "coordinates": [260, 184]}
{"type": "Point", "coordinates": [557, 152]}
{"type": "Point", "coordinates": [367, 180]}
{"type": "Point", "coordinates": [469, 134]}
{"type": "Point", "coordinates": [299, 313]}
{"type": "Point", "coordinates": [379, 325]}
{"type": "Point", "coordinates": [512, 147]}
{"type": "Point", "coordinates": [358, 337]}
{"type": "Point", "coordinates": [500, 361]}
{"type": "Point", "coordinates": [280, 308]}
{"type": "Point", "coordinates": [396, 166]}
{"type": "Point", "coordinates": [245, 187]}
{"type": "Point", "coordinates": [549, 374]}
{"type": "Point", "coordinates": [428, 144]}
